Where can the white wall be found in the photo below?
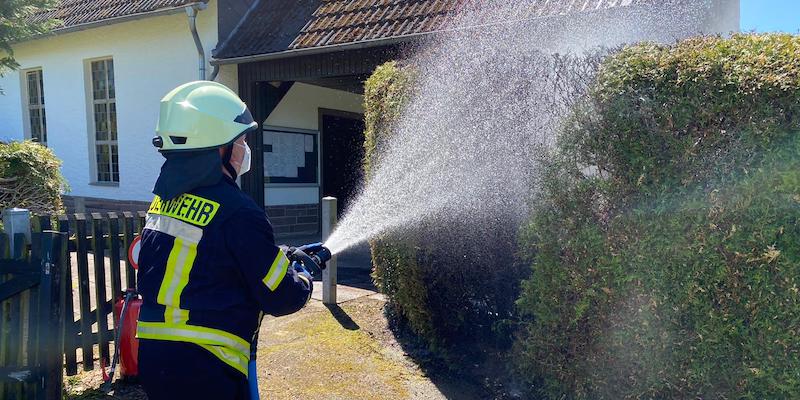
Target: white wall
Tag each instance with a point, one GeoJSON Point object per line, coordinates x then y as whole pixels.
{"type": "Point", "coordinates": [151, 57]}
{"type": "Point", "coordinates": [725, 16]}
{"type": "Point", "coordinates": [11, 107]}
{"type": "Point", "coordinates": [300, 109]}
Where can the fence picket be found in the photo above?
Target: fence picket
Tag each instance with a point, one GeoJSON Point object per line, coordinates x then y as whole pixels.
{"type": "Point", "coordinates": [128, 233]}
{"type": "Point", "coordinates": [98, 245]}
{"type": "Point", "coordinates": [83, 291]}
{"type": "Point", "coordinates": [17, 311]}
{"type": "Point", "coordinates": [113, 247]}
{"type": "Point", "coordinates": [70, 327]}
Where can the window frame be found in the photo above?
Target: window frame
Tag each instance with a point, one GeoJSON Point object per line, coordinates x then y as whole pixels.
{"type": "Point", "coordinates": [27, 107]}
{"type": "Point", "coordinates": [111, 142]}
{"type": "Point", "coordinates": [283, 129]}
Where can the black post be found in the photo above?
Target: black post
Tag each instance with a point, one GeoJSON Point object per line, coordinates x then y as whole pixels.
{"type": "Point", "coordinates": [253, 181]}
{"type": "Point", "coordinates": [51, 318]}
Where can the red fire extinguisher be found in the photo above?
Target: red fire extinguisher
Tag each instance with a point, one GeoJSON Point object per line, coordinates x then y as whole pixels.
{"type": "Point", "coordinates": [128, 307]}
{"type": "Point", "coordinates": [126, 314]}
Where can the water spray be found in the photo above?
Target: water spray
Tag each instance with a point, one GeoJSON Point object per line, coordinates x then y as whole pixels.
{"type": "Point", "coordinates": [489, 102]}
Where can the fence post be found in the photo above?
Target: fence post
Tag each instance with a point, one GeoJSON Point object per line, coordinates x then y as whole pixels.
{"type": "Point", "coordinates": [51, 316]}
{"type": "Point", "coordinates": [17, 221]}
{"type": "Point", "coordinates": [329, 220]}
{"type": "Point", "coordinates": [17, 226]}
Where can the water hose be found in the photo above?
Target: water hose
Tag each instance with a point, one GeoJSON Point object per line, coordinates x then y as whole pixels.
{"type": "Point", "coordinates": [107, 379]}
{"type": "Point", "coordinates": [252, 373]}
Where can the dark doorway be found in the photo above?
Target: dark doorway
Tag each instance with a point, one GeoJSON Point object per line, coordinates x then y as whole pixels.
{"type": "Point", "coordinates": [342, 155]}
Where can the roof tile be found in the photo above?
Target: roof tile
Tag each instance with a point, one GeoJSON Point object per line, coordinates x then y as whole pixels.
{"type": "Point", "coordinates": [78, 12]}
{"type": "Point", "coordinates": [279, 25]}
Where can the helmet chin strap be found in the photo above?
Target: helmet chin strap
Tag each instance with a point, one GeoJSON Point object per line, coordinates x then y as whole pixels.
{"type": "Point", "coordinates": [226, 162]}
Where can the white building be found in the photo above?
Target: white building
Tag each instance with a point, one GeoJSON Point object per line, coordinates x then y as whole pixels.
{"type": "Point", "coordinates": [91, 90]}
{"type": "Point", "coordinates": [299, 65]}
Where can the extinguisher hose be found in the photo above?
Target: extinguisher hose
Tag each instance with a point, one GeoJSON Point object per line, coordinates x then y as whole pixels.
{"type": "Point", "coordinates": [252, 373]}
{"type": "Point", "coordinates": [120, 324]}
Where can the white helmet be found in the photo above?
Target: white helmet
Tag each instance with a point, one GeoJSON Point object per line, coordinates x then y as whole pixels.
{"type": "Point", "coordinates": [201, 115]}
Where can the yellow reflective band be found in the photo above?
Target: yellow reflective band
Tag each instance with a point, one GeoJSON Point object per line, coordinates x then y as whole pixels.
{"type": "Point", "coordinates": [176, 315]}
{"type": "Point", "coordinates": [192, 334]}
{"type": "Point", "coordinates": [186, 207]}
{"type": "Point", "coordinates": [176, 277]}
{"type": "Point", "coordinates": [276, 271]}
{"type": "Point", "coordinates": [234, 359]}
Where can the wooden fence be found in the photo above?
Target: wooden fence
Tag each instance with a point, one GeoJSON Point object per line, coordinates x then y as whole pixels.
{"type": "Point", "coordinates": [31, 323]}
{"type": "Point", "coordinates": [97, 277]}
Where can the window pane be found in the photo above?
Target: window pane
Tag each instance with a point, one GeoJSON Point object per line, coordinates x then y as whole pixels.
{"type": "Point", "coordinates": [100, 122]}
{"type": "Point", "coordinates": [111, 89]}
{"type": "Point", "coordinates": [41, 88]}
{"type": "Point", "coordinates": [36, 128]}
{"type": "Point", "coordinates": [33, 90]}
{"type": "Point", "coordinates": [99, 80]}
{"type": "Point", "coordinates": [112, 120]}
{"type": "Point", "coordinates": [44, 127]}
{"type": "Point", "coordinates": [114, 163]}
{"type": "Point", "coordinates": [103, 167]}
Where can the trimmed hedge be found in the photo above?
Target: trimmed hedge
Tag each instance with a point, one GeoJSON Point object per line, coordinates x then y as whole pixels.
{"type": "Point", "coordinates": [30, 177]}
{"type": "Point", "coordinates": [671, 269]}
{"type": "Point", "coordinates": [449, 290]}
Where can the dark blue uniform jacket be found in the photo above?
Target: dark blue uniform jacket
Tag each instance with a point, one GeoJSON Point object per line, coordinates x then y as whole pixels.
{"type": "Point", "coordinates": [208, 268]}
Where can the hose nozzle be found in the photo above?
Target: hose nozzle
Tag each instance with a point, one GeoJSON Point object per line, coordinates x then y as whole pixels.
{"type": "Point", "coordinates": [313, 256]}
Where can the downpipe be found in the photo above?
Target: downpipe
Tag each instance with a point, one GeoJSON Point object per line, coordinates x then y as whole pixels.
{"type": "Point", "coordinates": [192, 11]}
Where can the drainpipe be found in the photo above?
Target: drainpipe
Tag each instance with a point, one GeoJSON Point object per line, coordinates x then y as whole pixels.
{"type": "Point", "coordinates": [191, 11]}
{"type": "Point", "coordinates": [214, 73]}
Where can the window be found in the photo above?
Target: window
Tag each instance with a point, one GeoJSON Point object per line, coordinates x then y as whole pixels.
{"type": "Point", "coordinates": [104, 111]}
{"type": "Point", "coordinates": [37, 128]}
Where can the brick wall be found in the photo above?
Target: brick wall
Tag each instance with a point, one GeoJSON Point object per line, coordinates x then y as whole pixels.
{"type": "Point", "coordinates": [298, 219]}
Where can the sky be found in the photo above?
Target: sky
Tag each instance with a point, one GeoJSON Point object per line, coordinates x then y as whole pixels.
{"type": "Point", "coordinates": [771, 16]}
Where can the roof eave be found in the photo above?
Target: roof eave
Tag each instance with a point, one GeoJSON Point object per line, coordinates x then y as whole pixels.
{"type": "Point", "coordinates": [321, 49]}
{"type": "Point", "coordinates": [114, 20]}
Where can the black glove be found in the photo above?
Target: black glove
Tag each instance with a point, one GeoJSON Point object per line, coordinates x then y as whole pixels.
{"type": "Point", "coordinates": [305, 275]}
{"type": "Point", "coordinates": [296, 254]}
{"type": "Point", "coordinates": [288, 250]}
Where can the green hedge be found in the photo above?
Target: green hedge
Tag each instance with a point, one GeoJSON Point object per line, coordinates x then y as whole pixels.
{"type": "Point", "coordinates": [30, 177]}
{"type": "Point", "coordinates": [448, 290]}
{"type": "Point", "coordinates": [665, 247]}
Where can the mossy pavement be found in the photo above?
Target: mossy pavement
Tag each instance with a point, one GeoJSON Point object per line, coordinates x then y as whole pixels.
{"type": "Point", "coordinates": [323, 352]}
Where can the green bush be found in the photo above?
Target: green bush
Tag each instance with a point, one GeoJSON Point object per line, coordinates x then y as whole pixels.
{"type": "Point", "coordinates": [30, 177]}
{"type": "Point", "coordinates": [665, 246]}
{"type": "Point", "coordinates": [446, 288]}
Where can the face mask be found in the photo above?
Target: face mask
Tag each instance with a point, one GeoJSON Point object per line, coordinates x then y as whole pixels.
{"type": "Point", "coordinates": [246, 158]}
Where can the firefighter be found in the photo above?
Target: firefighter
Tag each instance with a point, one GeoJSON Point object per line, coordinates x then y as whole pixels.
{"type": "Point", "coordinates": [208, 266]}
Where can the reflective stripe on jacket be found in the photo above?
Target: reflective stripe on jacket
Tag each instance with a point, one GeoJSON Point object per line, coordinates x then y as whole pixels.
{"type": "Point", "coordinates": [208, 267]}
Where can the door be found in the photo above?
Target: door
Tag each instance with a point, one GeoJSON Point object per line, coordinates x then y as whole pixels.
{"type": "Point", "coordinates": [342, 155]}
